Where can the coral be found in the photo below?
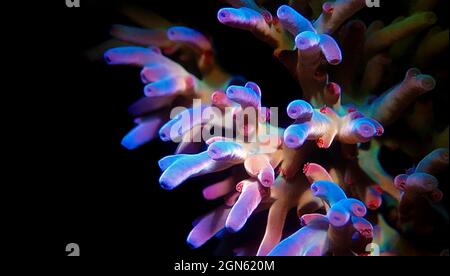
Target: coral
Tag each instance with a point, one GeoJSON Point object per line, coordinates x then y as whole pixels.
{"type": "Point", "coordinates": [419, 211]}
{"type": "Point", "coordinates": [167, 83]}
{"type": "Point", "coordinates": [342, 231]}
{"type": "Point", "coordinates": [326, 164]}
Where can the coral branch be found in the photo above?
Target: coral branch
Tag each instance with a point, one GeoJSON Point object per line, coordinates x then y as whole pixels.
{"type": "Point", "coordinates": [388, 107]}
{"type": "Point", "coordinates": [251, 195]}
{"type": "Point", "coordinates": [208, 226]}
{"type": "Point", "coordinates": [274, 227]}
{"type": "Point", "coordinates": [142, 37]}
{"type": "Point", "coordinates": [434, 162]}
{"type": "Point", "coordinates": [325, 125]}
{"type": "Point", "coordinates": [419, 212]}
{"type": "Point", "coordinates": [342, 231]}
{"type": "Point", "coordinates": [335, 13]}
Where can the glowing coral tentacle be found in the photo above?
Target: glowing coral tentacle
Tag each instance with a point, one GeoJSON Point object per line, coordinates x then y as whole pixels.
{"type": "Point", "coordinates": [293, 21]}
{"type": "Point", "coordinates": [190, 166]}
{"type": "Point", "coordinates": [335, 13]}
{"type": "Point", "coordinates": [208, 226]}
{"type": "Point", "coordinates": [145, 131]}
{"type": "Point", "coordinates": [247, 202]}
{"type": "Point", "coordinates": [310, 240]}
{"type": "Point", "coordinates": [190, 36]}
{"type": "Point", "coordinates": [328, 191]}
{"type": "Point", "coordinates": [140, 36]}
{"type": "Point", "coordinates": [274, 227]}
{"type": "Point", "coordinates": [246, 19]}
{"type": "Point", "coordinates": [315, 172]}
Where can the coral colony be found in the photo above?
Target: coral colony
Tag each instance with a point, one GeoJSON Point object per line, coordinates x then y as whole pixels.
{"type": "Point", "coordinates": [325, 164]}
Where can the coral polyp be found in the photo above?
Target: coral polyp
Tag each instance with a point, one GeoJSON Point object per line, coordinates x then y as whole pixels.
{"type": "Point", "coordinates": [325, 164]}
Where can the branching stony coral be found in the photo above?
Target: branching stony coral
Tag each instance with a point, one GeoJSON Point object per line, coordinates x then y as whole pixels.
{"type": "Point", "coordinates": [342, 231]}
{"type": "Point", "coordinates": [419, 211]}
{"type": "Point", "coordinates": [167, 82]}
{"type": "Point", "coordinates": [324, 51]}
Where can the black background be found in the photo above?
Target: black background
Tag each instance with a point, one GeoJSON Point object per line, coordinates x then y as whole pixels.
{"type": "Point", "coordinates": [87, 188]}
